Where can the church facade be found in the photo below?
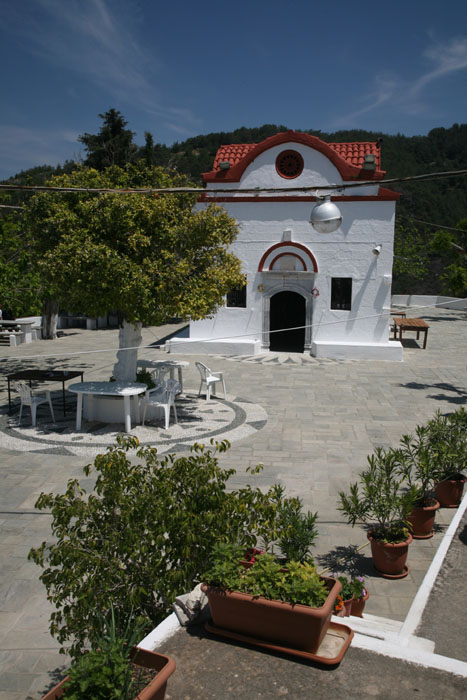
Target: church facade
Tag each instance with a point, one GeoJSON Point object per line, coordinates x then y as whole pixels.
{"type": "Point", "coordinates": [327, 294]}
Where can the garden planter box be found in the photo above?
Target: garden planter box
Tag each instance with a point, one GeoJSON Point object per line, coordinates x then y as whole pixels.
{"type": "Point", "coordinates": [155, 690]}
{"type": "Point", "coordinates": [296, 626]}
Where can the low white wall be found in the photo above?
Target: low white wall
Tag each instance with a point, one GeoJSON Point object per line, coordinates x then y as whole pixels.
{"type": "Point", "coordinates": [426, 300]}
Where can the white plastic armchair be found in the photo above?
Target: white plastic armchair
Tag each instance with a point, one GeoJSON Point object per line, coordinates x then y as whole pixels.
{"type": "Point", "coordinates": [33, 401]}
{"type": "Point", "coordinates": [162, 396]}
{"type": "Point", "coordinates": [210, 378]}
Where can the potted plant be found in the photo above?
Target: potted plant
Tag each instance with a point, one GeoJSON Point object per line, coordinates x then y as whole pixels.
{"type": "Point", "coordinates": [290, 607]}
{"type": "Point", "coordinates": [115, 669]}
{"type": "Point", "coordinates": [346, 594]}
{"type": "Point", "coordinates": [447, 442]}
{"type": "Point", "coordinates": [360, 596]}
{"type": "Point", "coordinates": [382, 504]}
{"type": "Point", "coordinates": [420, 471]}
{"type": "Point", "coordinates": [294, 532]}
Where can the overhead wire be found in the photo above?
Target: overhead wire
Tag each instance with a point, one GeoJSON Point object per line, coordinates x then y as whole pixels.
{"type": "Point", "coordinates": [243, 190]}
{"type": "Point", "coordinates": [224, 338]}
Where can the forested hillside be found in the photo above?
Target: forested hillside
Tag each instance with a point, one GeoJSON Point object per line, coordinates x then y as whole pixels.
{"type": "Point", "coordinates": [422, 256]}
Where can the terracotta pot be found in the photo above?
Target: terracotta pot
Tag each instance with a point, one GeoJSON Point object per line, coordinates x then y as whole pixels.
{"type": "Point", "coordinates": [155, 690]}
{"type": "Point", "coordinates": [422, 519]}
{"type": "Point", "coordinates": [449, 492]}
{"type": "Point", "coordinates": [388, 558]}
{"type": "Point", "coordinates": [297, 626]}
{"type": "Point", "coordinates": [345, 612]}
{"type": "Point", "coordinates": [358, 604]}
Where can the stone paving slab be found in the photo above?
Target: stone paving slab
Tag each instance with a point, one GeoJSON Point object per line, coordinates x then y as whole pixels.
{"type": "Point", "coordinates": [323, 419]}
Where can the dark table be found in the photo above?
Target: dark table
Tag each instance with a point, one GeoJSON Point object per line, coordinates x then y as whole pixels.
{"type": "Point", "coordinates": [43, 375]}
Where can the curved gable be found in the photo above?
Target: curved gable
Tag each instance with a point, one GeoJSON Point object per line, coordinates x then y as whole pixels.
{"type": "Point", "coordinates": [298, 250]}
{"type": "Point", "coordinates": [248, 153]}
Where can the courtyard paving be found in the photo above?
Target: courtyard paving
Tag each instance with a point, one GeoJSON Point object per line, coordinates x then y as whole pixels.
{"type": "Point", "coordinates": [311, 422]}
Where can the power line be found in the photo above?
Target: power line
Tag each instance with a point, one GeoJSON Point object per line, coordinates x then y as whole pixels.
{"type": "Point", "coordinates": [213, 192]}
{"type": "Point", "coordinates": [227, 337]}
{"type": "Point", "coordinates": [438, 226]}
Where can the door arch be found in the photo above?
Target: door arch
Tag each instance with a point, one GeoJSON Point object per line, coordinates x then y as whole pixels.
{"type": "Point", "coordinates": [287, 310]}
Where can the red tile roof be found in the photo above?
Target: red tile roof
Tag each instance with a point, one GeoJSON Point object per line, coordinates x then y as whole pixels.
{"type": "Point", "coordinates": [353, 152]}
{"type": "Point", "coordinates": [349, 161]}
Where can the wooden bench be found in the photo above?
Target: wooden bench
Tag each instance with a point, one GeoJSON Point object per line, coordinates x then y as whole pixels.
{"type": "Point", "coordinates": [411, 324]}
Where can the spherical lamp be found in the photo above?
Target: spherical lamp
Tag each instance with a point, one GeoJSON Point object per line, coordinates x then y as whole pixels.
{"type": "Point", "coordinates": [325, 216]}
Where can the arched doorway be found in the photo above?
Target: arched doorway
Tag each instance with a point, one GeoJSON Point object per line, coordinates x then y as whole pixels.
{"type": "Point", "coordinates": [287, 310]}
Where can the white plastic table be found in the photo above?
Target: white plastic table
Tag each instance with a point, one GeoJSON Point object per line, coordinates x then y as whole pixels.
{"type": "Point", "coordinates": [172, 365]}
{"type": "Point", "coordinates": [123, 389]}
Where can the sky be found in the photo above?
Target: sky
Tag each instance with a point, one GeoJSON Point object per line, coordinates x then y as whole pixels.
{"type": "Point", "coordinates": [180, 68]}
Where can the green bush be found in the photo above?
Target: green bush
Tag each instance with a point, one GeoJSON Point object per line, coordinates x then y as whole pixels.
{"type": "Point", "coordinates": [144, 534]}
{"type": "Point", "coordinates": [381, 499]}
{"type": "Point", "coordinates": [105, 672]}
{"type": "Point", "coordinates": [297, 583]}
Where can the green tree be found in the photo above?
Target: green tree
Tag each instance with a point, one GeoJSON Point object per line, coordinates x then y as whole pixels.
{"type": "Point", "coordinates": [410, 257]}
{"type": "Point", "coordinates": [152, 258]}
{"type": "Point", "coordinates": [451, 246]}
{"type": "Point", "coordinates": [143, 535]}
{"type": "Point", "coordinates": [113, 145]}
{"type": "Point", "coordinates": [19, 277]}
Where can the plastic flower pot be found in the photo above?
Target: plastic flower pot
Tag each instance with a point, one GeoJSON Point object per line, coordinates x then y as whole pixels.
{"type": "Point", "coordinates": [422, 519]}
{"type": "Point", "coordinates": [155, 690]}
{"type": "Point", "coordinates": [449, 492]}
{"type": "Point", "coordinates": [389, 558]}
{"type": "Point", "coordinates": [358, 605]}
{"type": "Point", "coordinates": [299, 627]}
{"type": "Point", "coordinates": [345, 612]}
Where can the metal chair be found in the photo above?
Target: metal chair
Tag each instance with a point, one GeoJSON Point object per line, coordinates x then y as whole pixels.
{"type": "Point", "coordinates": [33, 401]}
{"type": "Point", "coordinates": [209, 378]}
{"type": "Point", "coordinates": [162, 396]}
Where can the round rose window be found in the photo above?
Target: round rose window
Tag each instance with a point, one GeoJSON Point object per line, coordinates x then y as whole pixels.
{"type": "Point", "coordinates": [289, 164]}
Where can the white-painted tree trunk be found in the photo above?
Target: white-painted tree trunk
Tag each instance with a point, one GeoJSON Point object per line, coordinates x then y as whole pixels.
{"type": "Point", "coordinates": [49, 319]}
{"type": "Point", "coordinates": [129, 336]}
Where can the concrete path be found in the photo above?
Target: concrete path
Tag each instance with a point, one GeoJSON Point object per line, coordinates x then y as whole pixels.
{"type": "Point", "coordinates": [322, 419]}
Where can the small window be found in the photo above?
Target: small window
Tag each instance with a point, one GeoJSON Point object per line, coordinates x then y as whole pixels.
{"type": "Point", "coordinates": [341, 293]}
{"type": "Point", "coordinates": [237, 297]}
{"type": "Point", "coordinates": [289, 164]}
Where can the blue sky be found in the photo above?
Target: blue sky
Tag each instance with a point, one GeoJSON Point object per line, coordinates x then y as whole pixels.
{"type": "Point", "coordinates": [180, 68]}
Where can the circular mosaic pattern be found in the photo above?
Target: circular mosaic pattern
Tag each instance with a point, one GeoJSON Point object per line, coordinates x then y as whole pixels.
{"type": "Point", "coordinates": [289, 164]}
{"type": "Point", "coordinates": [198, 421]}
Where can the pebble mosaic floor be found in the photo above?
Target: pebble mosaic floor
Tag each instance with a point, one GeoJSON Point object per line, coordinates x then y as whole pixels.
{"type": "Point", "coordinates": [198, 421]}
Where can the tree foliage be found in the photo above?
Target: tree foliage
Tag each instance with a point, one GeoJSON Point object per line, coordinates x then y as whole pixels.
{"type": "Point", "coordinates": [143, 535]}
{"type": "Point", "coordinates": [151, 258]}
{"type": "Point", "coordinates": [113, 145]}
{"type": "Point", "coordinates": [19, 277]}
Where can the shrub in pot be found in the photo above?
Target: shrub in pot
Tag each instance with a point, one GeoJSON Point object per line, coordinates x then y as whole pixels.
{"type": "Point", "coordinates": [114, 669]}
{"type": "Point", "coordinates": [353, 593]}
{"type": "Point", "coordinates": [360, 596]}
{"type": "Point", "coordinates": [419, 470]}
{"type": "Point", "coordinates": [381, 502]}
{"type": "Point", "coordinates": [447, 443]}
{"type": "Point", "coordinates": [143, 534]}
{"type": "Point", "coordinates": [291, 607]}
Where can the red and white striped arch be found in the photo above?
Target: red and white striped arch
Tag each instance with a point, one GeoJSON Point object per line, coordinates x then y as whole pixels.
{"type": "Point", "coordinates": [289, 248]}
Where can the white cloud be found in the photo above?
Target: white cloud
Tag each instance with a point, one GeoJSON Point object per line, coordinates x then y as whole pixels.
{"type": "Point", "coordinates": [22, 148]}
{"type": "Point", "coordinates": [406, 96]}
{"type": "Point", "coordinates": [447, 58]}
{"type": "Point", "coordinates": [97, 40]}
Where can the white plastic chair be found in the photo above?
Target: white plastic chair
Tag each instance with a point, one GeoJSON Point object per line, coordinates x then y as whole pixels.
{"type": "Point", "coordinates": [209, 378]}
{"type": "Point", "coordinates": [33, 401]}
{"type": "Point", "coordinates": [162, 396]}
